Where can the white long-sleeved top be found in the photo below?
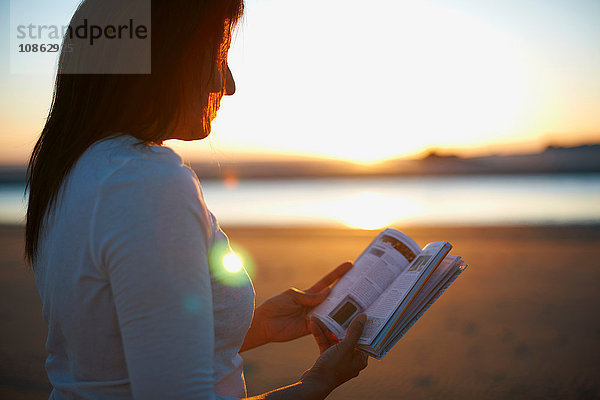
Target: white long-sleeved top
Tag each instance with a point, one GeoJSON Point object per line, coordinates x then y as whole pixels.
{"type": "Point", "coordinates": [133, 305]}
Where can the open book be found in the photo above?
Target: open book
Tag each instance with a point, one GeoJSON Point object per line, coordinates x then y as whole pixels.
{"type": "Point", "coordinates": [393, 282]}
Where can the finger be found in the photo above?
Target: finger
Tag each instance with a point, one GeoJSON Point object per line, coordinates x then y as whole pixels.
{"type": "Point", "coordinates": [330, 336]}
{"type": "Point", "coordinates": [365, 360]}
{"type": "Point", "coordinates": [354, 331]}
{"type": "Point", "coordinates": [361, 360]}
{"type": "Point", "coordinates": [331, 277]}
{"type": "Point", "coordinates": [321, 337]}
{"type": "Point", "coordinates": [358, 361]}
{"type": "Point", "coordinates": [318, 335]}
{"type": "Point", "coordinates": [310, 299]}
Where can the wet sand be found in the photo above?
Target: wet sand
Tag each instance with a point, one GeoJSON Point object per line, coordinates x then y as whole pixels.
{"type": "Point", "coordinates": [521, 322]}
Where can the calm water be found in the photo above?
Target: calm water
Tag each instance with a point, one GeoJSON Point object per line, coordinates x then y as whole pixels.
{"type": "Point", "coordinates": [374, 203]}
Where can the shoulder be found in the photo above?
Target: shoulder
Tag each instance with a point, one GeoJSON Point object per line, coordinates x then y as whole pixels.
{"type": "Point", "coordinates": [122, 163]}
{"type": "Point", "coordinates": [139, 184]}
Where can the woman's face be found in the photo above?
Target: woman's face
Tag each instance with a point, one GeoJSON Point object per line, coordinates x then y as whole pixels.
{"type": "Point", "coordinates": [192, 127]}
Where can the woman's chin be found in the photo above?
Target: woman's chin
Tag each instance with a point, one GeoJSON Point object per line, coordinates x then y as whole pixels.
{"type": "Point", "coordinates": [189, 135]}
{"type": "Point", "coordinates": [192, 138]}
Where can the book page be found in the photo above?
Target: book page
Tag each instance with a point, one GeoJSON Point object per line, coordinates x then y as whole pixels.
{"type": "Point", "coordinates": [387, 257]}
{"type": "Point", "coordinates": [387, 303]}
{"type": "Point", "coordinates": [446, 268]}
{"type": "Point", "coordinates": [458, 268]}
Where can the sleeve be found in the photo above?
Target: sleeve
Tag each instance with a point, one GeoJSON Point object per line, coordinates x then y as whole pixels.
{"type": "Point", "coordinates": [152, 238]}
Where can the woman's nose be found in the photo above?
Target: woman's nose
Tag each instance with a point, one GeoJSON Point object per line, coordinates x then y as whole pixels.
{"type": "Point", "coordinates": [229, 83]}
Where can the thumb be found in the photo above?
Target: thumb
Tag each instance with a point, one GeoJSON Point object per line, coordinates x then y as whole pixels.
{"type": "Point", "coordinates": [354, 331]}
{"type": "Point", "coordinates": [310, 299]}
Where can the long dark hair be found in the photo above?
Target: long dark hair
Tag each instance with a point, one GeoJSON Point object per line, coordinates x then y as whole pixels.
{"type": "Point", "coordinates": [89, 107]}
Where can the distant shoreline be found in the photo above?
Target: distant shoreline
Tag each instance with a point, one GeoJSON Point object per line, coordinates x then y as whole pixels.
{"type": "Point", "coordinates": [241, 175]}
{"type": "Point", "coordinates": [554, 160]}
{"type": "Point", "coordinates": [592, 228]}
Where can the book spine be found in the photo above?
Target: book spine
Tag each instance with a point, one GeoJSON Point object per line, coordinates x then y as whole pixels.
{"type": "Point", "coordinates": [399, 336]}
{"type": "Point", "coordinates": [410, 297]}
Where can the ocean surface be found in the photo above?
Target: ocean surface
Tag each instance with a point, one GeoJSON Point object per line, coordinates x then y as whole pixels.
{"type": "Point", "coordinates": [377, 202]}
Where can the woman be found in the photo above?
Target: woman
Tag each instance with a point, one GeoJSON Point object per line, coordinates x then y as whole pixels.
{"type": "Point", "coordinates": [126, 256]}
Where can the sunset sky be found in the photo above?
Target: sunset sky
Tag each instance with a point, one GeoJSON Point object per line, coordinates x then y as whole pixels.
{"type": "Point", "coordinates": [366, 81]}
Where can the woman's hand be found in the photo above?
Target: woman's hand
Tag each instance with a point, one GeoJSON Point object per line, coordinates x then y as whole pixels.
{"type": "Point", "coordinates": [337, 364]}
{"type": "Point", "coordinates": [339, 361]}
{"type": "Point", "coordinates": [283, 317]}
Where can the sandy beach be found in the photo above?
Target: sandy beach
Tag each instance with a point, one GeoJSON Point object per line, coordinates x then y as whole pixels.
{"type": "Point", "coordinates": [520, 323]}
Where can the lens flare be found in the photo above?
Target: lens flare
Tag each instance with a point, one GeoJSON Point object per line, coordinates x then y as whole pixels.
{"type": "Point", "coordinates": [232, 263]}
